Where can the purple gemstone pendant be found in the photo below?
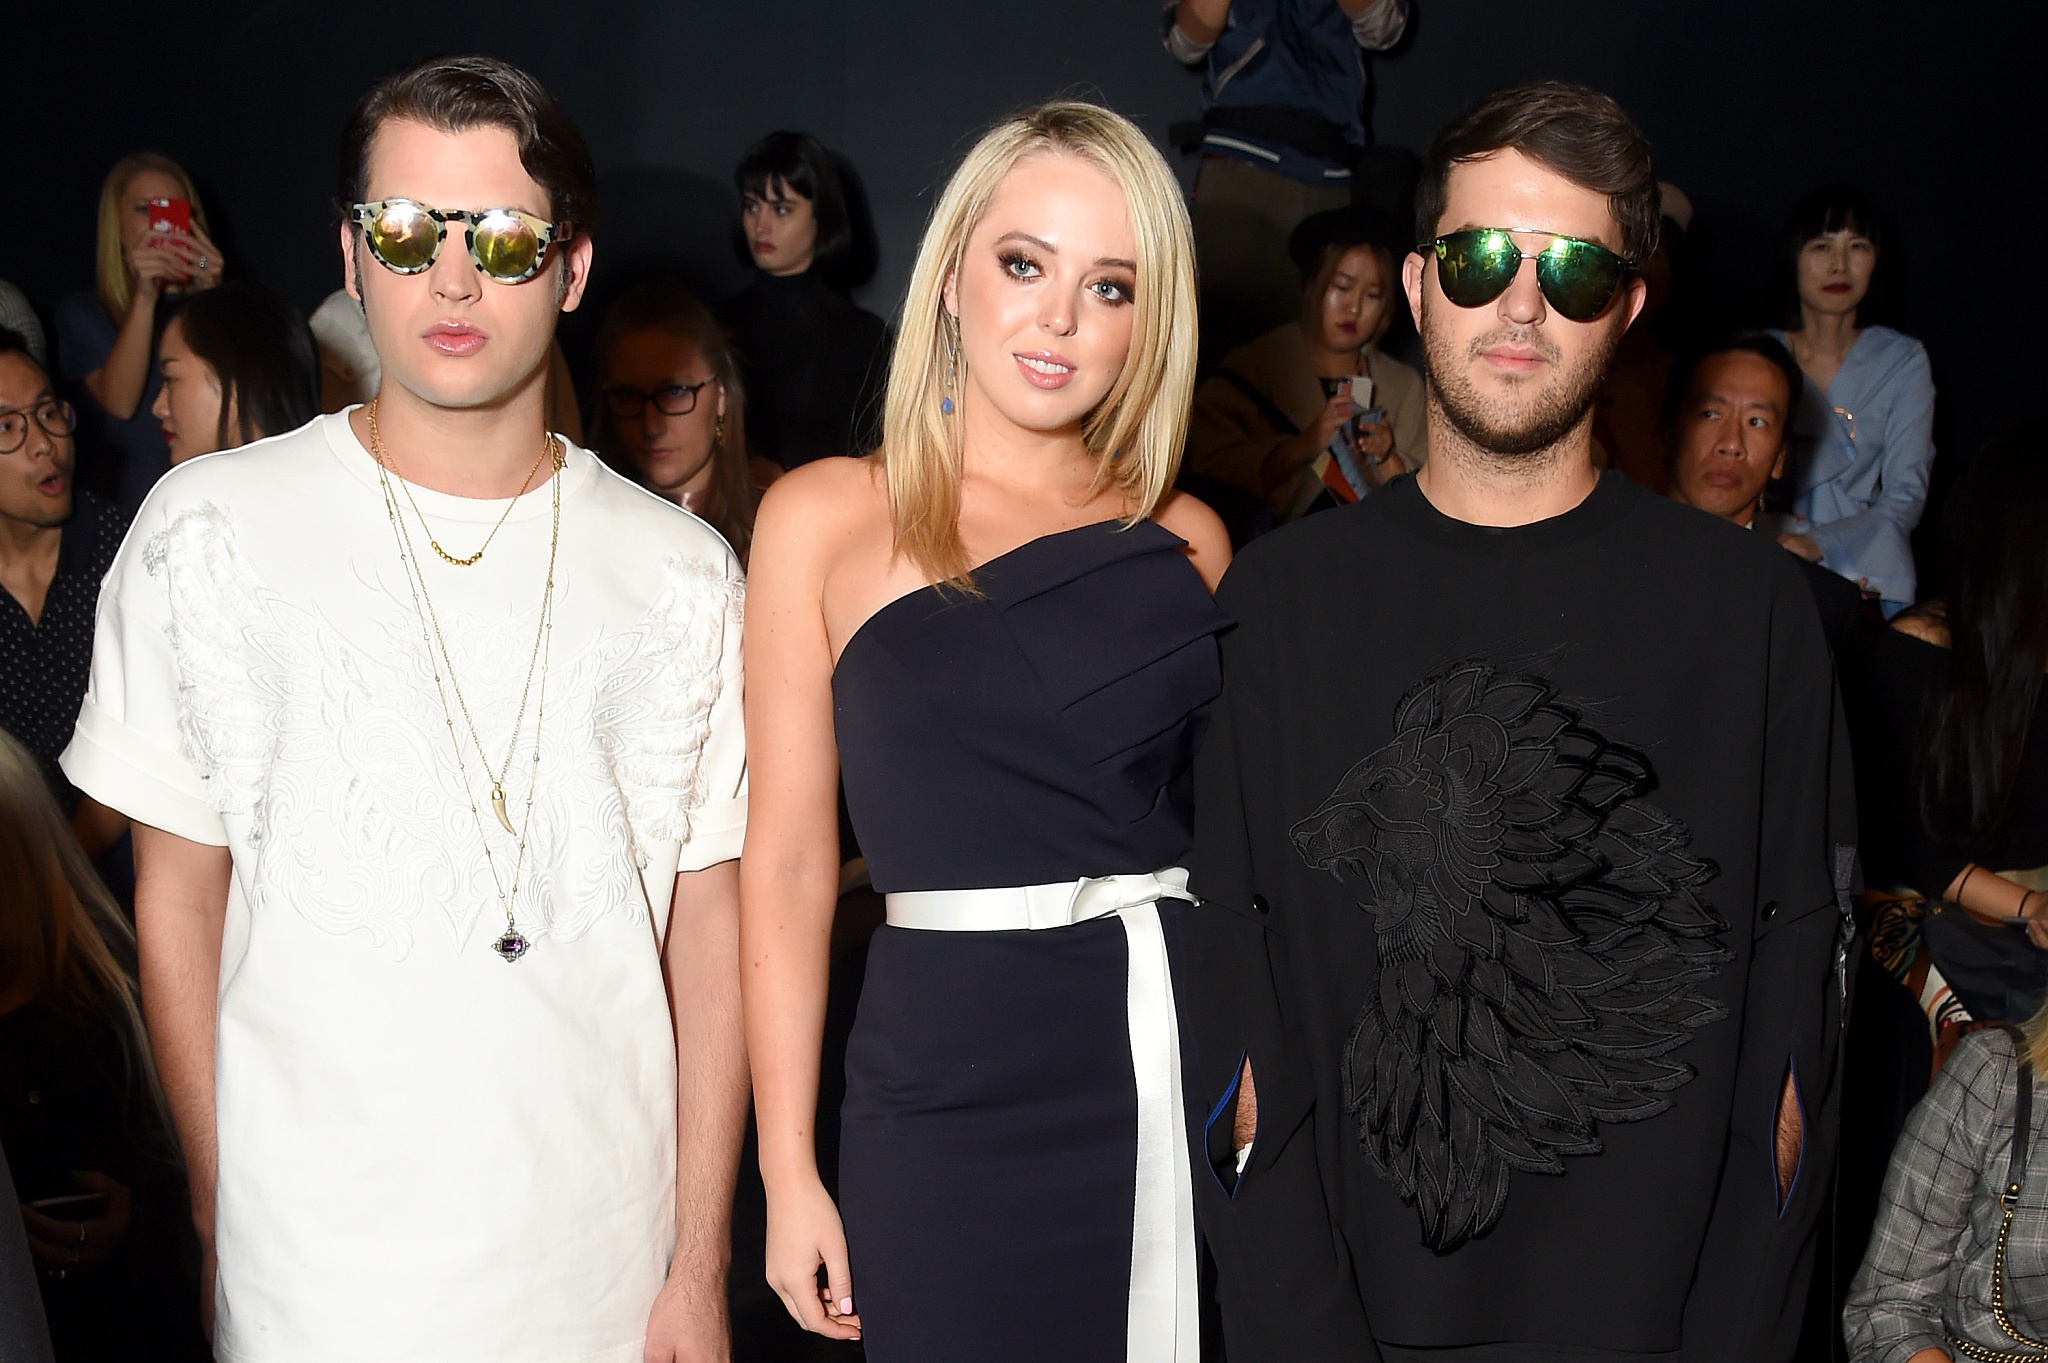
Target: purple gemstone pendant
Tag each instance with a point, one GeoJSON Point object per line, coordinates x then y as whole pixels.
{"type": "Point", "coordinates": [946, 406]}
{"type": "Point", "coordinates": [511, 946]}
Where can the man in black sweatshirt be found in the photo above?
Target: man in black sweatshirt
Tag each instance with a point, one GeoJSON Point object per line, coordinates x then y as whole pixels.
{"type": "Point", "coordinates": [1516, 995]}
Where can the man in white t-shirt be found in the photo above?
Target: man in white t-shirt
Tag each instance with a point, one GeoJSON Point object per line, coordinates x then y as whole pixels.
{"type": "Point", "coordinates": [430, 727]}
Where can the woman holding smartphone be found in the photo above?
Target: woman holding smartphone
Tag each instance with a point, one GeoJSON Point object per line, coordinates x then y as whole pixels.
{"type": "Point", "coordinates": [1000, 628]}
{"type": "Point", "coordinates": [153, 245]}
{"type": "Point", "coordinates": [1264, 423]}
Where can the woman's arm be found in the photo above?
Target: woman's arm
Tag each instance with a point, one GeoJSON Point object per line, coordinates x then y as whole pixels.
{"type": "Point", "coordinates": [1208, 541]}
{"type": "Point", "coordinates": [789, 882]}
{"type": "Point", "coordinates": [1988, 894]}
{"type": "Point", "coordinates": [118, 384]}
{"type": "Point", "coordinates": [1905, 461]}
{"type": "Point", "coordinates": [1202, 20]}
{"type": "Point", "coordinates": [1894, 1309]}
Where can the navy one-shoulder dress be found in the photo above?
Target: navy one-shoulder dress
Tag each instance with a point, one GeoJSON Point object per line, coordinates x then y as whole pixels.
{"type": "Point", "coordinates": [1039, 732]}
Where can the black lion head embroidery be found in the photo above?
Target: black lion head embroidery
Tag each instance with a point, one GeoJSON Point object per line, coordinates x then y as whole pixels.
{"type": "Point", "coordinates": [1542, 935]}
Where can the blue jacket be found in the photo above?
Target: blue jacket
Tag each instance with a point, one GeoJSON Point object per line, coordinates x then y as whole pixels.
{"type": "Point", "coordinates": [1861, 453]}
{"type": "Point", "coordinates": [1306, 55]}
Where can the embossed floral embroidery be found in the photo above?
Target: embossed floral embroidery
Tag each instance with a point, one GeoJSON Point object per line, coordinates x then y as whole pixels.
{"type": "Point", "coordinates": [1542, 933]}
{"type": "Point", "coordinates": [301, 733]}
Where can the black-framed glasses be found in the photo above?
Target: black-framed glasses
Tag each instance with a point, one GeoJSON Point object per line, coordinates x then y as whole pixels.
{"type": "Point", "coordinates": [55, 416]}
{"type": "Point", "coordinates": [506, 244]}
{"type": "Point", "coordinates": [1578, 277]}
{"type": "Point", "coordinates": [671, 399]}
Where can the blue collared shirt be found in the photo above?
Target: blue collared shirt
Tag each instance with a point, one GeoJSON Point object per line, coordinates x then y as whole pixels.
{"type": "Point", "coordinates": [1862, 450]}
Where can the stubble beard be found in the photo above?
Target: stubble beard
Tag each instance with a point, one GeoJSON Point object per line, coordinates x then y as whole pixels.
{"type": "Point", "coordinates": [1514, 432]}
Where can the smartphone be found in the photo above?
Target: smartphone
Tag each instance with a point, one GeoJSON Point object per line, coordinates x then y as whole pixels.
{"type": "Point", "coordinates": [1359, 386]}
{"type": "Point", "coordinates": [168, 217]}
{"type": "Point", "coordinates": [73, 1207]}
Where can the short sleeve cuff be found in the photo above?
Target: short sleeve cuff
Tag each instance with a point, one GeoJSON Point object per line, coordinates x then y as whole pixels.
{"type": "Point", "coordinates": [126, 774]}
{"type": "Point", "coordinates": [716, 832]}
{"type": "Point", "coordinates": [1184, 49]}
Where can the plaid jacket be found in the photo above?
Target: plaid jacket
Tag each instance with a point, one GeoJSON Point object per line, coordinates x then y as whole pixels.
{"type": "Point", "coordinates": [1927, 1273]}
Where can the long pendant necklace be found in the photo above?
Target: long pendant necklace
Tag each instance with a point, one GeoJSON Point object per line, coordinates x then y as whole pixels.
{"type": "Point", "coordinates": [512, 944]}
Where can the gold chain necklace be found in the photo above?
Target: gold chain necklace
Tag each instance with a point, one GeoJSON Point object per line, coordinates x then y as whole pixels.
{"type": "Point", "coordinates": [383, 458]}
{"type": "Point", "coordinates": [512, 944]}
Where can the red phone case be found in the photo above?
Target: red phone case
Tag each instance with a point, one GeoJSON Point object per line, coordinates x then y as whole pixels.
{"type": "Point", "coordinates": [168, 216]}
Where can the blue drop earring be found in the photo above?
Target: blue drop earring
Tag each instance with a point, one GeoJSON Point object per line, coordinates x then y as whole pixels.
{"type": "Point", "coordinates": [952, 364]}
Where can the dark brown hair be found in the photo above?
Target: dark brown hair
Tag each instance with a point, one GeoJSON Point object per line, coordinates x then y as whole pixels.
{"type": "Point", "coordinates": [455, 94]}
{"type": "Point", "coordinates": [261, 355]}
{"type": "Point", "coordinates": [801, 165]}
{"type": "Point", "coordinates": [1577, 132]}
{"type": "Point", "coordinates": [667, 307]}
{"type": "Point", "coordinates": [1976, 740]}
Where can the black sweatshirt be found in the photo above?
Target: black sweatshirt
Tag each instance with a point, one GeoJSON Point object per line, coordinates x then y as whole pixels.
{"type": "Point", "coordinates": [1525, 853]}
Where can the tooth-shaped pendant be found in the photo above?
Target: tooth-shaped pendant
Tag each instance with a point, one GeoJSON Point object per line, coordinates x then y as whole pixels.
{"type": "Point", "coordinates": [498, 808]}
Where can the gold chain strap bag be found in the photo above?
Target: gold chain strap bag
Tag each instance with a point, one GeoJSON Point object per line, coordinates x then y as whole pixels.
{"type": "Point", "coordinates": [2031, 1349]}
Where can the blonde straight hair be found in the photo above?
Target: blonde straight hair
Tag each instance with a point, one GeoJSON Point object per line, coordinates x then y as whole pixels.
{"type": "Point", "coordinates": [64, 942]}
{"type": "Point", "coordinates": [111, 267]}
{"type": "Point", "coordinates": [1137, 431]}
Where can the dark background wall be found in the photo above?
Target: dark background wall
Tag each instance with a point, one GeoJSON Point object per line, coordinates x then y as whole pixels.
{"type": "Point", "coordinates": [1748, 103]}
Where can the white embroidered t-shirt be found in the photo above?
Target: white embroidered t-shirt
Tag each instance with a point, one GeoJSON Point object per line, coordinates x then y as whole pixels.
{"type": "Point", "coordinates": [427, 1153]}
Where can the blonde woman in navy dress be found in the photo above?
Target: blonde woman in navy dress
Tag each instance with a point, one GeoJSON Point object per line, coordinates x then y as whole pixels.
{"type": "Point", "coordinates": [1000, 623]}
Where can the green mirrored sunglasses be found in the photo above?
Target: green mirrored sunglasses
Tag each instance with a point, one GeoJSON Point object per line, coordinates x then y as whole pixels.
{"type": "Point", "coordinates": [506, 244]}
{"type": "Point", "coordinates": [1578, 277]}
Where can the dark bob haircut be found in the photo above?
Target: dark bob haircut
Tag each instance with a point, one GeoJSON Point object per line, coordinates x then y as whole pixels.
{"type": "Point", "coordinates": [261, 354]}
{"type": "Point", "coordinates": [1759, 343]}
{"type": "Point", "coordinates": [1577, 132]}
{"type": "Point", "coordinates": [802, 166]}
{"type": "Point", "coordinates": [456, 94]}
{"type": "Point", "coordinates": [1320, 235]}
{"type": "Point", "coordinates": [1825, 211]}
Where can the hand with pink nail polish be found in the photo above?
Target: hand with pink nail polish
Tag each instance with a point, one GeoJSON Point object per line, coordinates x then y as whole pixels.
{"type": "Point", "coordinates": [805, 1237]}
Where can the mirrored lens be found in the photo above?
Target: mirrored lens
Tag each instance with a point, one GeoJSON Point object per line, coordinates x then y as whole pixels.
{"type": "Point", "coordinates": [1476, 267]}
{"type": "Point", "coordinates": [505, 246]}
{"type": "Point", "coordinates": [1578, 277]}
{"type": "Point", "coordinates": [404, 236]}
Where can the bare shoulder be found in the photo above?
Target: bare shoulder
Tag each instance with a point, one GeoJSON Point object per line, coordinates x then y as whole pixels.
{"type": "Point", "coordinates": [1193, 521]}
{"type": "Point", "coordinates": [1928, 623]}
{"type": "Point", "coordinates": [818, 505]}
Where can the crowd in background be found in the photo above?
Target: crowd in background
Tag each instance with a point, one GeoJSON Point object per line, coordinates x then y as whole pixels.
{"type": "Point", "coordinates": [1814, 426]}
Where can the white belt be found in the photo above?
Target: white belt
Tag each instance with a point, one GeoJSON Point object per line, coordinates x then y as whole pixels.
{"type": "Point", "coordinates": [1163, 1324]}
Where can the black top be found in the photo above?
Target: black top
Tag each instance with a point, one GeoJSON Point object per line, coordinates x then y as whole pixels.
{"type": "Point", "coordinates": [1523, 899]}
{"type": "Point", "coordinates": [1042, 731]}
{"type": "Point", "coordinates": [814, 366]}
{"type": "Point", "coordinates": [44, 664]}
{"type": "Point", "coordinates": [1902, 679]}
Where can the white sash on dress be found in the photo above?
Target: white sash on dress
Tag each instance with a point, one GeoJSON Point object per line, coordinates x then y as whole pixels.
{"type": "Point", "coordinates": [1163, 1321]}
